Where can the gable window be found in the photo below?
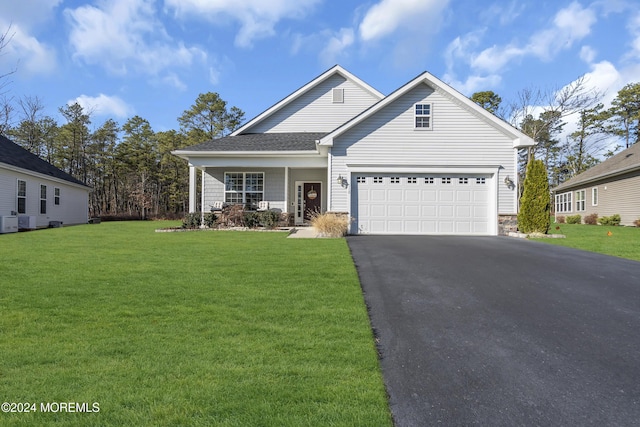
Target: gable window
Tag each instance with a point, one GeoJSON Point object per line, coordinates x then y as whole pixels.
{"type": "Point", "coordinates": [563, 202]}
{"type": "Point", "coordinates": [56, 196]}
{"type": "Point", "coordinates": [580, 200]}
{"type": "Point", "coordinates": [22, 196]}
{"type": "Point", "coordinates": [245, 188]}
{"type": "Point", "coordinates": [423, 116]}
{"type": "Point", "coordinates": [43, 199]}
{"type": "Point", "coordinates": [594, 196]}
{"type": "Point", "coordinates": [338, 95]}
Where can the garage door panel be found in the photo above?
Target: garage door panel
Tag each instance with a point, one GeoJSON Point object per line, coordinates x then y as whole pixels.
{"type": "Point", "coordinates": [423, 204]}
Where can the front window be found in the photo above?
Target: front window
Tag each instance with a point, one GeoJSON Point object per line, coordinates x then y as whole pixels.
{"type": "Point", "coordinates": [594, 196]}
{"type": "Point", "coordinates": [22, 196]}
{"type": "Point", "coordinates": [245, 188]}
{"type": "Point", "coordinates": [423, 116]}
{"type": "Point", "coordinates": [563, 203]}
{"type": "Point", "coordinates": [580, 200]}
{"type": "Point", "coordinates": [43, 199]}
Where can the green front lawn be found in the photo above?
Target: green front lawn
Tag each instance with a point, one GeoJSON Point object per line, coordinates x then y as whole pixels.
{"type": "Point", "coordinates": [199, 328]}
{"type": "Point", "coordinates": [623, 242]}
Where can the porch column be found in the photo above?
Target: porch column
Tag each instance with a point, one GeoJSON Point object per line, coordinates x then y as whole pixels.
{"type": "Point", "coordinates": [286, 189]}
{"type": "Point", "coordinates": [192, 189]}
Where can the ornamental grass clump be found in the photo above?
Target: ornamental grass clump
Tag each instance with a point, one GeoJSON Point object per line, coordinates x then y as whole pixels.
{"type": "Point", "coordinates": [330, 224]}
{"type": "Point", "coordinates": [535, 205]}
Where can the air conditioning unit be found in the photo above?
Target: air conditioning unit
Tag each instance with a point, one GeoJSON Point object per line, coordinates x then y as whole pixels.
{"type": "Point", "coordinates": [26, 222]}
{"type": "Point", "coordinates": [8, 224]}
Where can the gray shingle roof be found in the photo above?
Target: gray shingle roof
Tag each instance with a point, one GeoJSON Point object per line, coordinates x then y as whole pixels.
{"type": "Point", "coordinates": [14, 155]}
{"type": "Point", "coordinates": [625, 161]}
{"type": "Point", "coordinates": [291, 141]}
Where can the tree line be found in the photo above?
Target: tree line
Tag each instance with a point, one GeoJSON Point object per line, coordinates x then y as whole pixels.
{"type": "Point", "coordinates": [130, 166]}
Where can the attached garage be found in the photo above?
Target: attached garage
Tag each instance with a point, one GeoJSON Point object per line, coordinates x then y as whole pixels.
{"type": "Point", "coordinates": [423, 204]}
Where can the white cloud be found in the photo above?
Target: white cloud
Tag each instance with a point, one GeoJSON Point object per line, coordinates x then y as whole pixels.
{"type": "Point", "coordinates": [104, 105]}
{"type": "Point", "coordinates": [26, 54]}
{"type": "Point", "coordinates": [388, 16]}
{"type": "Point", "coordinates": [124, 35]}
{"type": "Point", "coordinates": [587, 54]}
{"type": "Point", "coordinates": [473, 83]}
{"type": "Point", "coordinates": [172, 79]}
{"type": "Point", "coordinates": [257, 18]}
{"type": "Point", "coordinates": [337, 45]}
{"type": "Point", "coordinates": [634, 29]}
{"type": "Point", "coordinates": [570, 25]}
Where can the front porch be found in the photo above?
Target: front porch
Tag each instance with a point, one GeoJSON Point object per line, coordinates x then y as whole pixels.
{"type": "Point", "coordinates": [296, 191]}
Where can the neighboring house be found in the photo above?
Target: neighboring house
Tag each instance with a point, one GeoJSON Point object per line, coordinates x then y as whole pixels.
{"type": "Point", "coordinates": [608, 188]}
{"type": "Point", "coordinates": [37, 192]}
{"type": "Point", "coordinates": [423, 160]}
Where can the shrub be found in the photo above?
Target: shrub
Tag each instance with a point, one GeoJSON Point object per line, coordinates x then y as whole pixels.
{"type": "Point", "coordinates": [591, 219]}
{"type": "Point", "coordinates": [192, 220]}
{"type": "Point", "coordinates": [535, 202]}
{"type": "Point", "coordinates": [330, 224]}
{"type": "Point", "coordinates": [269, 219]}
{"type": "Point", "coordinates": [574, 219]}
{"type": "Point", "coordinates": [637, 222]}
{"type": "Point", "coordinates": [610, 220]}
{"type": "Point", "coordinates": [560, 219]}
{"type": "Point", "coordinates": [251, 219]}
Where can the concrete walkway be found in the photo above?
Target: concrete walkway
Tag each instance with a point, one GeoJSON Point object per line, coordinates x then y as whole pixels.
{"type": "Point", "coordinates": [303, 233]}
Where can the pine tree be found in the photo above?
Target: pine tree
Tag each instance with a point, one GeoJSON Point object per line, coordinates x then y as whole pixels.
{"type": "Point", "coordinates": [535, 202]}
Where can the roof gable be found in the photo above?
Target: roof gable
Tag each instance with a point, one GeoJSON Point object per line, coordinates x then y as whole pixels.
{"type": "Point", "coordinates": [623, 162]}
{"type": "Point", "coordinates": [14, 155]}
{"type": "Point", "coordinates": [336, 71]}
{"type": "Point", "coordinates": [519, 138]}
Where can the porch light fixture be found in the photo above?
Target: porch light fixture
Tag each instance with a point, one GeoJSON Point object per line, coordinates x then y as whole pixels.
{"type": "Point", "coordinates": [508, 182]}
{"type": "Point", "coordinates": [340, 179]}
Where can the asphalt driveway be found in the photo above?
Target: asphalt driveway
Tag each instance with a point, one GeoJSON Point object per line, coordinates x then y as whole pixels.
{"type": "Point", "coordinates": [502, 332]}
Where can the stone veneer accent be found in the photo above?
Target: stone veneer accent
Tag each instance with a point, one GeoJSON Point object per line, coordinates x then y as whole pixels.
{"type": "Point", "coordinates": [507, 224]}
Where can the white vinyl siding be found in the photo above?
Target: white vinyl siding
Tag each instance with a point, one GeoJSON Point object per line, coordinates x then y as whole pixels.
{"type": "Point", "coordinates": [317, 110]}
{"type": "Point", "coordinates": [460, 139]}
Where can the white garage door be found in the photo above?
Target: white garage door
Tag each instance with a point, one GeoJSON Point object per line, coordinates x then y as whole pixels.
{"type": "Point", "coordinates": [422, 204]}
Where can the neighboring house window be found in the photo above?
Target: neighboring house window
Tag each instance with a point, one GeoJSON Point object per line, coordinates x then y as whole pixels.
{"type": "Point", "coordinates": [43, 199]}
{"type": "Point", "coordinates": [56, 196]}
{"type": "Point", "coordinates": [563, 203]}
{"type": "Point", "coordinates": [22, 196]}
{"type": "Point", "coordinates": [594, 196]}
{"type": "Point", "coordinates": [423, 116]}
{"type": "Point", "coordinates": [580, 200]}
{"type": "Point", "coordinates": [245, 188]}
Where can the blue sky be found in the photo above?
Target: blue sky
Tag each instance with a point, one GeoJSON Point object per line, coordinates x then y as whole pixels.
{"type": "Point", "coordinates": [121, 58]}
